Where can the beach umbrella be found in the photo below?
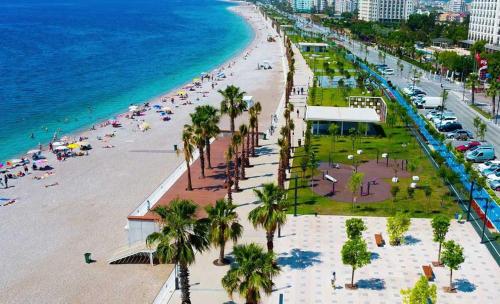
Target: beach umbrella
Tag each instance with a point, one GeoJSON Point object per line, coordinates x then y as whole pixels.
{"type": "Point", "coordinates": [16, 161]}
{"type": "Point", "coordinates": [61, 148]}
{"type": "Point", "coordinates": [196, 80]}
{"type": "Point", "coordinates": [157, 106]}
{"type": "Point", "coordinates": [82, 143]}
{"type": "Point", "coordinates": [133, 108]}
{"type": "Point", "coordinates": [181, 93]}
{"type": "Point", "coordinates": [57, 143]}
{"type": "Point", "coordinates": [1, 165]}
{"type": "Point", "coordinates": [73, 146]}
{"type": "Point", "coordinates": [34, 151]}
{"type": "Point", "coordinates": [167, 109]}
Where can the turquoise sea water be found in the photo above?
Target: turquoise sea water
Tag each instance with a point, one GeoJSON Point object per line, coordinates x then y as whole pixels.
{"type": "Point", "coordinates": [65, 65]}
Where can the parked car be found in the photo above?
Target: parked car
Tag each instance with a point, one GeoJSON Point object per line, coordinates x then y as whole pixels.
{"type": "Point", "coordinates": [494, 176]}
{"type": "Point", "coordinates": [460, 135]}
{"type": "Point", "coordinates": [445, 120]}
{"type": "Point", "coordinates": [495, 184]}
{"type": "Point", "coordinates": [450, 127]}
{"type": "Point", "coordinates": [482, 153]}
{"type": "Point", "coordinates": [487, 165]}
{"type": "Point", "coordinates": [468, 146]}
{"type": "Point", "coordinates": [491, 171]}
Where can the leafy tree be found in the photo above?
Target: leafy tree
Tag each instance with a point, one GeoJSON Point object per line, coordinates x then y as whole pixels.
{"type": "Point", "coordinates": [252, 272]}
{"type": "Point", "coordinates": [410, 191]}
{"type": "Point", "coordinates": [482, 131]}
{"type": "Point", "coordinates": [396, 228]}
{"type": "Point", "coordinates": [223, 225]}
{"type": "Point", "coordinates": [313, 164]}
{"type": "Point", "coordinates": [394, 192]}
{"type": "Point", "coordinates": [428, 194]}
{"type": "Point", "coordinates": [354, 253]}
{"type": "Point", "coordinates": [476, 122]}
{"type": "Point", "coordinates": [353, 135]}
{"type": "Point", "coordinates": [333, 130]}
{"type": "Point", "coordinates": [421, 293]}
{"type": "Point", "coordinates": [180, 236]}
{"type": "Point", "coordinates": [271, 214]}
{"type": "Point", "coordinates": [452, 257]}
{"type": "Point", "coordinates": [354, 228]}
{"type": "Point", "coordinates": [440, 225]}
{"type": "Point", "coordinates": [354, 183]}
{"type": "Point", "coordinates": [232, 103]}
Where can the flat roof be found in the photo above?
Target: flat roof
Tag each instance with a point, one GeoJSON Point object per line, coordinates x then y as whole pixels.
{"type": "Point", "coordinates": [312, 44]}
{"type": "Point", "coordinates": [315, 113]}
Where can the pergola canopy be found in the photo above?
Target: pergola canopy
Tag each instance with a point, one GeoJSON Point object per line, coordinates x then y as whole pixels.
{"type": "Point", "coordinates": [342, 114]}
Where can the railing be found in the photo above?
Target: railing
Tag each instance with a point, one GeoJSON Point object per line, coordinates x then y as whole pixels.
{"type": "Point", "coordinates": [167, 289]}
{"type": "Point", "coordinates": [480, 195]}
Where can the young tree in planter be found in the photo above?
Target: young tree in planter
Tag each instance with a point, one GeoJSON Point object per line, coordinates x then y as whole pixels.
{"type": "Point", "coordinates": [394, 192]}
{"type": "Point", "coordinates": [440, 225]}
{"type": "Point", "coordinates": [355, 253]}
{"type": "Point", "coordinates": [410, 191]}
{"type": "Point", "coordinates": [421, 293]}
{"type": "Point", "coordinates": [452, 257]}
{"type": "Point", "coordinates": [354, 228]}
{"type": "Point", "coordinates": [354, 183]}
{"type": "Point", "coordinates": [428, 194]}
{"type": "Point", "coordinates": [476, 123]}
{"type": "Point", "coordinates": [396, 228]}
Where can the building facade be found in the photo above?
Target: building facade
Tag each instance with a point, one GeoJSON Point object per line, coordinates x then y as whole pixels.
{"type": "Point", "coordinates": [309, 5]}
{"type": "Point", "coordinates": [345, 6]}
{"type": "Point", "coordinates": [485, 21]}
{"type": "Point", "coordinates": [456, 6]}
{"type": "Point", "coordinates": [385, 10]}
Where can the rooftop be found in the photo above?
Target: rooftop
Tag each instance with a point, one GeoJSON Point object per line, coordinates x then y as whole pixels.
{"type": "Point", "coordinates": [316, 113]}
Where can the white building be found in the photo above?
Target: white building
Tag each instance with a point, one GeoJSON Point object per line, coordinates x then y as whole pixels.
{"type": "Point", "coordinates": [309, 5]}
{"type": "Point", "coordinates": [456, 6]}
{"type": "Point", "coordinates": [345, 6]}
{"type": "Point", "coordinates": [385, 10]}
{"type": "Point", "coordinates": [485, 21]}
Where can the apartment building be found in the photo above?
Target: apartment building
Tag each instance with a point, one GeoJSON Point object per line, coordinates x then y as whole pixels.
{"type": "Point", "coordinates": [485, 21]}
{"type": "Point", "coordinates": [385, 10]}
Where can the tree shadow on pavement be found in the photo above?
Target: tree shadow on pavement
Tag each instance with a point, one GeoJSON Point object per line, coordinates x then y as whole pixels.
{"type": "Point", "coordinates": [373, 284]}
{"type": "Point", "coordinates": [464, 285]}
{"type": "Point", "coordinates": [299, 259]}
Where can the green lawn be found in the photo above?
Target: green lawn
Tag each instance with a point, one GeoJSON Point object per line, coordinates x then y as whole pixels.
{"type": "Point", "coordinates": [391, 143]}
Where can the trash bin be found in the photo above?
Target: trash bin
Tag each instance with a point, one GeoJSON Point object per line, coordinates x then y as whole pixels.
{"type": "Point", "coordinates": [88, 260]}
{"type": "Point", "coordinates": [175, 147]}
{"type": "Point", "coordinates": [265, 136]}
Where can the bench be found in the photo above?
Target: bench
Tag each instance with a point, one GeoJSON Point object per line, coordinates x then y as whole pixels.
{"type": "Point", "coordinates": [379, 240]}
{"type": "Point", "coordinates": [429, 274]}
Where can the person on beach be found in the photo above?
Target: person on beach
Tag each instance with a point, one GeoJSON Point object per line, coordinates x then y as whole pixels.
{"type": "Point", "coordinates": [334, 278]}
{"type": "Point", "coordinates": [51, 147]}
{"type": "Point", "coordinates": [25, 169]}
{"type": "Point", "coordinates": [293, 90]}
{"type": "Point", "coordinates": [297, 113]}
{"type": "Point", "coordinates": [6, 181]}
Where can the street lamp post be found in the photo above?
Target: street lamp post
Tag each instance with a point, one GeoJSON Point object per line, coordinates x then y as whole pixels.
{"type": "Point", "coordinates": [485, 220]}
{"type": "Point", "coordinates": [470, 199]}
{"type": "Point", "coordinates": [295, 196]}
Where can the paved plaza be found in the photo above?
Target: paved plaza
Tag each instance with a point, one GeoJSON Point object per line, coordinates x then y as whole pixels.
{"type": "Point", "coordinates": [309, 252]}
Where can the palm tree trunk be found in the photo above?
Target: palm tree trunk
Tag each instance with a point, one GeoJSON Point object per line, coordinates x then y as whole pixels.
{"type": "Point", "coordinates": [243, 162]}
{"type": "Point", "coordinates": [472, 93]}
{"type": "Point", "coordinates": [207, 145]}
{"type": "Point", "coordinates": [247, 157]}
{"type": "Point", "coordinates": [253, 142]}
{"type": "Point", "coordinates": [229, 181]}
{"type": "Point", "coordinates": [236, 170]}
{"type": "Point", "coordinates": [184, 275]}
{"type": "Point", "coordinates": [493, 105]}
{"type": "Point", "coordinates": [250, 298]}
{"type": "Point", "coordinates": [222, 246]}
{"type": "Point", "coordinates": [190, 186]}
{"type": "Point", "coordinates": [257, 132]}
{"type": "Point", "coordinates": [270, 244]}
{"type": "Point", "coordinates": [202, 161]}
{"type": "Point", "coordinates": [232, 124]}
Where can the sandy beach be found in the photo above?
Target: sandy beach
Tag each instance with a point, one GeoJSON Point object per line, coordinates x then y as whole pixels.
{"type": "Point", "coordinates": [83, 206]}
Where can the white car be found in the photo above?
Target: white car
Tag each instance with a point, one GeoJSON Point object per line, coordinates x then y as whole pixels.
{"type": "Point", "coordinates": [495, 176]}
{"type": "Point", "coordinates": [445, 120]}
{"type": "Point", "coordinates": [487, 165]}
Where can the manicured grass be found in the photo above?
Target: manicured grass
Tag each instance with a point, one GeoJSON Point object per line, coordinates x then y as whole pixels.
{"type": "Point", "coordinates": [334, 97]}
{"type": "Point", "coordinates": [391, 142]}
{"type": "Point", "coordinates": [481, 111]}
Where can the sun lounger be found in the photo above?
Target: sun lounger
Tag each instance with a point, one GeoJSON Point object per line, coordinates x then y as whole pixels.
{"type": "Point", "coordinates": [429, 274]}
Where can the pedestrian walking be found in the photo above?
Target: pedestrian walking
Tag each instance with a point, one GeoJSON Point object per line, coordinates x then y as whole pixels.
{"type": "Point", "coordinates": [301, 91]}
{"type": "Point", "coordinates": [294, 90]}
{"type": "Point", "coordinates": [25, 169]}
{"type": "Point", "coordinates": [297, 113]}
{"type": "Point", "coordinates": [334, 278]}
{"type": "Point", "coordinates": [6, 181]}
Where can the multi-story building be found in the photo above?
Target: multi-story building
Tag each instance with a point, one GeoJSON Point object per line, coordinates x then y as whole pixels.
{"type": "Point", "coordinates": [309, 5]}
{"type": "Point", "coordinates": [456, 6]}
{"type": "Point", "coordinates": [385, 10]}
{"type": "Point", "coordinates": [485, 21]}
{"type": "Point", "coordinates": [345, 6]}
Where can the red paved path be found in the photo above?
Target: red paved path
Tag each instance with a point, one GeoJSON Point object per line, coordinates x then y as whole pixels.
{"type": "Point", "coordinates": [205, 191]}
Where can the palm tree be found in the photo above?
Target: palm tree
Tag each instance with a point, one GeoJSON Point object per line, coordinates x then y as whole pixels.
{"type": "Point", "coordinates": [258, 109]}
{"type": "Point", "coordinates": [180, 236]}
{"type": "Point", "coordinates": [473, 83]}
{"type": "Point", "coordinates": [253, 125]}
{"type": "Point", "coordinates": [271, 214]}
{"type": "Point", "coordinates": [198, 140]}
{"type": "Point", "coordinates": [492, 91]}
{"type": "Point", "coordinates": [252, 271]}
{"type": "Point", "coordinates": [243, 129]}
{"type": "Point", "coordinates": [223, 226]}
{"type": "Point", "coordinates": [188, 147]}
{"type": "Point", "coordinates": [235, 143]}
{"type": "Point", "coordinates": [232, 104]}
{"type": "Point", "coordinates": [207, 118]}
{"type": "Point", "coordinates": [228, 156]}
{"type": "Point", "coordinates": [281, 164]}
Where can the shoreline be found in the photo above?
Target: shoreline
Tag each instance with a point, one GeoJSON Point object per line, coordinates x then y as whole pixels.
{"type": "Point", "coordinates": [83, 206]}
{"type": "Point", "coordinates": [237, 54]}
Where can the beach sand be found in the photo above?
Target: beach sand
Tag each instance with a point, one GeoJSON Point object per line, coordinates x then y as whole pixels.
{"type": "Point", "coordinates": [45, 233]}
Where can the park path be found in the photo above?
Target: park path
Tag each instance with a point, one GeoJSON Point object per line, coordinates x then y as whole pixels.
{"type": "Point", "coordinates": [204, 276]}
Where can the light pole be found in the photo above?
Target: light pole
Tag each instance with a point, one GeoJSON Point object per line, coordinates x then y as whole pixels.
{"type": "Point", "coordinates": [470, 198]}
{"type": "Point", "coordinates": [295, 196]}
{"type": "Point", "coordinates": [485, 220]}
